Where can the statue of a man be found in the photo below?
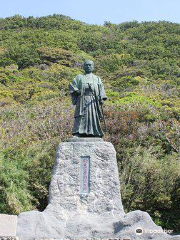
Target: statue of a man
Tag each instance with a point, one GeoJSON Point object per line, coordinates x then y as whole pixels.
{"type": "Point", "coordinates": [87, 92]}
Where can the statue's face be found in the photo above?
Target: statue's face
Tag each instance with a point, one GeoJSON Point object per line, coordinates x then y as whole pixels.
{"type": "Point", "coordinates": [88, 66]}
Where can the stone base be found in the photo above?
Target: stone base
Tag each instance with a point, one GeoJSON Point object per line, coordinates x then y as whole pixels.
{"type": "Point", "coordinates": [36, 225]}
{"type": "Point", "coordinates": [85, 200]}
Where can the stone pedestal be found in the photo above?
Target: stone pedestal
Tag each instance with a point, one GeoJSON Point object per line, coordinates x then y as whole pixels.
{"type": "Point", "coordinates": [85, 180]}
{"type": "Point", "coordinates": [84, 198]}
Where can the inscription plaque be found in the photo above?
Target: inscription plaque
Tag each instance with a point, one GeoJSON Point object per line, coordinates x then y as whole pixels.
{"type": "Point", "coordinates": [85, 175]}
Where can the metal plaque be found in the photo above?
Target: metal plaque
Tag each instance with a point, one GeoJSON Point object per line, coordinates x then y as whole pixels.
{"type": "Point", "coordinates": [85, 175]}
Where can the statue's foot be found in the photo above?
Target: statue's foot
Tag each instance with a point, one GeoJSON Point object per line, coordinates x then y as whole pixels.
{"type": "Point", "coordinates": [76, 135]}
{"type": "Point", "coordinates": [84, 135]}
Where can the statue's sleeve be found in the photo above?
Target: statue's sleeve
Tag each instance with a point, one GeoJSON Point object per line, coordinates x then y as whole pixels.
{"type": "Point", "coordinates": [74, 90]}
{"type": "Point", "coordinates": [102, 91]}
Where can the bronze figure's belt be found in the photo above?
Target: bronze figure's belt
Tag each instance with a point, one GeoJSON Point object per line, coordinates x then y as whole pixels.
{"type": "Point", "coordinates": [88, 93]}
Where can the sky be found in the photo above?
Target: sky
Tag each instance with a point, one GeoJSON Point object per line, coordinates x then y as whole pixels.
{"type": "Point", "coordinates": [96, 11]}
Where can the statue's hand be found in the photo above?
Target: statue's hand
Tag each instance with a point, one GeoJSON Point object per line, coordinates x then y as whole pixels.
{"type": "Point", "coordinates": [101, 102]}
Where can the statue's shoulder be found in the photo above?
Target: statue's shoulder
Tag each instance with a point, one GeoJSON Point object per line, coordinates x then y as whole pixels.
{"type": "Point", "coordinates": [97, 78]}
{"type": "Point", "coordinates": [79, 76]}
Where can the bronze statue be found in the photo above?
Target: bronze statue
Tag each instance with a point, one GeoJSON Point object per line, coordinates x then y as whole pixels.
{"type": "Point", "coordinates": [87, 92]}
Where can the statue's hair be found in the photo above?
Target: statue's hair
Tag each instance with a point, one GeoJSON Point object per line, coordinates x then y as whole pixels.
{"type": "Point", "coordinates": [88, 60]}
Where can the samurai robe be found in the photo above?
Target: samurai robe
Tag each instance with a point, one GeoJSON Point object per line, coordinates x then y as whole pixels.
{"type": "Point", "coordinates": [87, 91]}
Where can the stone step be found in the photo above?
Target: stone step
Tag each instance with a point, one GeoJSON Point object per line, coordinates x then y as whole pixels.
{"type": "Point", "coordinates": [8, 226]}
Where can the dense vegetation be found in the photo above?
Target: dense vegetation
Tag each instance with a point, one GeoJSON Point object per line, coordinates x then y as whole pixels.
{"type": "Point", "coordinates": [139, 64]}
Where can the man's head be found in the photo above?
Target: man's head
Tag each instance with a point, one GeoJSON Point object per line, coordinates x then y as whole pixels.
{"type": "Point", "coordinates": [88, 66]}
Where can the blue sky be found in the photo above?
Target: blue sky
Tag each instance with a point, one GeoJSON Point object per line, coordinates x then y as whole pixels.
{"type": "Point", "coordinates": [96, 11]}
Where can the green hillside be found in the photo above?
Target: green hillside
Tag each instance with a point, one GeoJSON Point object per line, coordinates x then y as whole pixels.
{"type": "Point", "coordinates": [139, 64]}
